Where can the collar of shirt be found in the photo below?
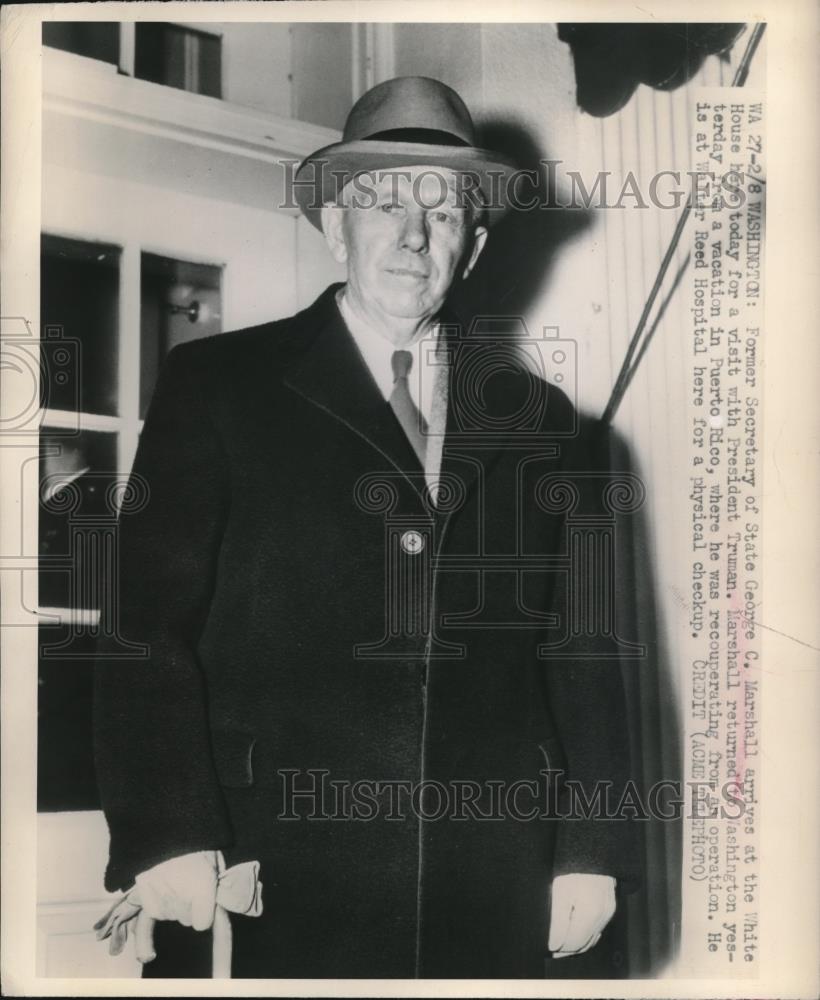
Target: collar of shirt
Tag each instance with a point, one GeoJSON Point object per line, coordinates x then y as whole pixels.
{"type": "Point", "coordinates": [377, 353]}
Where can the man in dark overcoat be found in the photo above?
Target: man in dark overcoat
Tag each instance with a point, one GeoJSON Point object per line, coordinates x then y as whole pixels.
{"type": "Point", "coordinates": [369, 663]}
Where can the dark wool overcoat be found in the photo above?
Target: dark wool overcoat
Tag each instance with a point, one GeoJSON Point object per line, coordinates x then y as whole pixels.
{"type": "Point", "coordinates": [367, 694]}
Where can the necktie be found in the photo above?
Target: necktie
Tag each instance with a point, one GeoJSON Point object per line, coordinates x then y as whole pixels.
{"type": "Point", "coordinates": [403, 406]}
{"type": "Point", "coordinates": [435, 438]}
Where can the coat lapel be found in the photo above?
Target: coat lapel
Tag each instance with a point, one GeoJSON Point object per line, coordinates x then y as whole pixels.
{"type": "Point", "coordinates": [333, 376]}
{"type": "Point", "coordinates": [484, 395]}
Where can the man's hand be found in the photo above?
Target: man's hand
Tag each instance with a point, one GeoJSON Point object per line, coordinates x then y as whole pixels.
{"type": "Point", "coordinates": [582, 906]}
{"type": "Point", "coordinates": [238, 890]}
{"type": "Point", "coordinates": [182, 889]}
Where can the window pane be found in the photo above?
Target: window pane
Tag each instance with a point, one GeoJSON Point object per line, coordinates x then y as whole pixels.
{"type": "Point", "coordinates": [65, 756]}
{"type": "Point", "coordinates": [79, 293]}
{"type": "Point", "coordinates": [179, 301]}
{"type": "Point", "coordinates": [94, 39]}
{"type": "Point", "coordinates": [75, 474]}
{"type": "Point", "coordinates": [179, 57]}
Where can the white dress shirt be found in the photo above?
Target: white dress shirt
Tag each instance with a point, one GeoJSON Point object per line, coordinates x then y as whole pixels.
{"type": "Point", "coordinates": [427, 379]}
{"type": "Point", "coordinates": [377, 352]}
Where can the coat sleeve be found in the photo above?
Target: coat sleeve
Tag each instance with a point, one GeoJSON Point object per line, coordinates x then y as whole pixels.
{"type": "Point", "coordinates": [158, 785]}
{"type": "Point", "coordinates": [587, 700]}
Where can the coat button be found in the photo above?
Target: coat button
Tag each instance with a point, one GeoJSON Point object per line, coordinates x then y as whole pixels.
{"type": "Point", "coordinates": [412, 542]}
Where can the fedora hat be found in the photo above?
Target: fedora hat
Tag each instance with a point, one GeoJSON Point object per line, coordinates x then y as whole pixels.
{"type": "Point", "coordinates": [404, 122]}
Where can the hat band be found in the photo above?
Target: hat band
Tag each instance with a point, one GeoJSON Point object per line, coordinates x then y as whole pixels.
{"type": "Point", "coordinates": [426, 136]}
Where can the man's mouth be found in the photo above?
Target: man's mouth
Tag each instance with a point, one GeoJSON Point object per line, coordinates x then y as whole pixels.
{"type": "Point", "coordinates": [407, 272]}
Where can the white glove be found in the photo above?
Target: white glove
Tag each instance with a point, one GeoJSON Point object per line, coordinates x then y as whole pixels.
{"type": "Point", "coordinates": [582, 906]}
{"type": "Point", "coordinates": [182, 889]}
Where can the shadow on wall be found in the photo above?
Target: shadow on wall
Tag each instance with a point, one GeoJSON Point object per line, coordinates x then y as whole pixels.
{"type": "Point", "coordinates": [653, 913]}
{"type": "Point", "coordinates": [643, 937]}
{"type": "Point", "coordinates": [515, 266]}
{"type": "Point", "coordinates": [512, 273]}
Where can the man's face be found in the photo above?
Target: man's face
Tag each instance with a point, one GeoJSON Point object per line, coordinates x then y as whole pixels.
{"type": "Point", "coordinates": [405, 237]}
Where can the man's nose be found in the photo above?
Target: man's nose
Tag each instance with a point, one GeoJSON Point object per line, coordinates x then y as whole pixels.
{"type": "Point", "coordinates": [414, 234]}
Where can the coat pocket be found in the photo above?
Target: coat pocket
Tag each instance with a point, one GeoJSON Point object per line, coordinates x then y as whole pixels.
{"type": "Point", "coordinates": [233, 757]}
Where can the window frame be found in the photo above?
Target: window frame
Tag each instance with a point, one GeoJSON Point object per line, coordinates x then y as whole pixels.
{"type": "Point", "coordinates": [126, 423]}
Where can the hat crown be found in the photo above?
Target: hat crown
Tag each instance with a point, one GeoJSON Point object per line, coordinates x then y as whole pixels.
{"type": "Point", "coordinates": [409, 102]}
{"type": "Point", "coordinates": [404, 122]}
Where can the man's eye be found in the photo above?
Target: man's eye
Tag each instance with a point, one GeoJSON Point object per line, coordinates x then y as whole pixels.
{"type": "Point", "coordinates": [445, 217]}
{"type": "Point", "coordinates": [390, 206]}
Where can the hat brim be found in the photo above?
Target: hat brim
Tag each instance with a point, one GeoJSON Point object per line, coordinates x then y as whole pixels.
{"type": "Point", "coordinates": [322, 175]}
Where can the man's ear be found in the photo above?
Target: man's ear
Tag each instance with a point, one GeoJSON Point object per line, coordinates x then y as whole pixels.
{"type": "Point", "coordinates": [479, 239]}
{"type": "Point", "coordinates": [334, 235]}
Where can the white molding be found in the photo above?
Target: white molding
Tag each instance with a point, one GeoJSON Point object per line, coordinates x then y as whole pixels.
{"type": "Point", "coordinates": [68, 616]}
{"type": "Point", "coordinates": [128, 38]}
{"type": "Point", "coordinates": [356, 57]}
{"type": "Point", "coordinates": [72, 848]}
{"type": "Point", "coordinates": [86, 88]}
{"type": "Point", "coordinates": [365, 61]}
{"type": "Point", "coordinates": [130, 355]}
{"type": "Point", "coordinates": [384, 52]}
{"type": "Point", "coordinates": [66, 917]}
{"type": "Point", "coordinates": [68, 420]}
